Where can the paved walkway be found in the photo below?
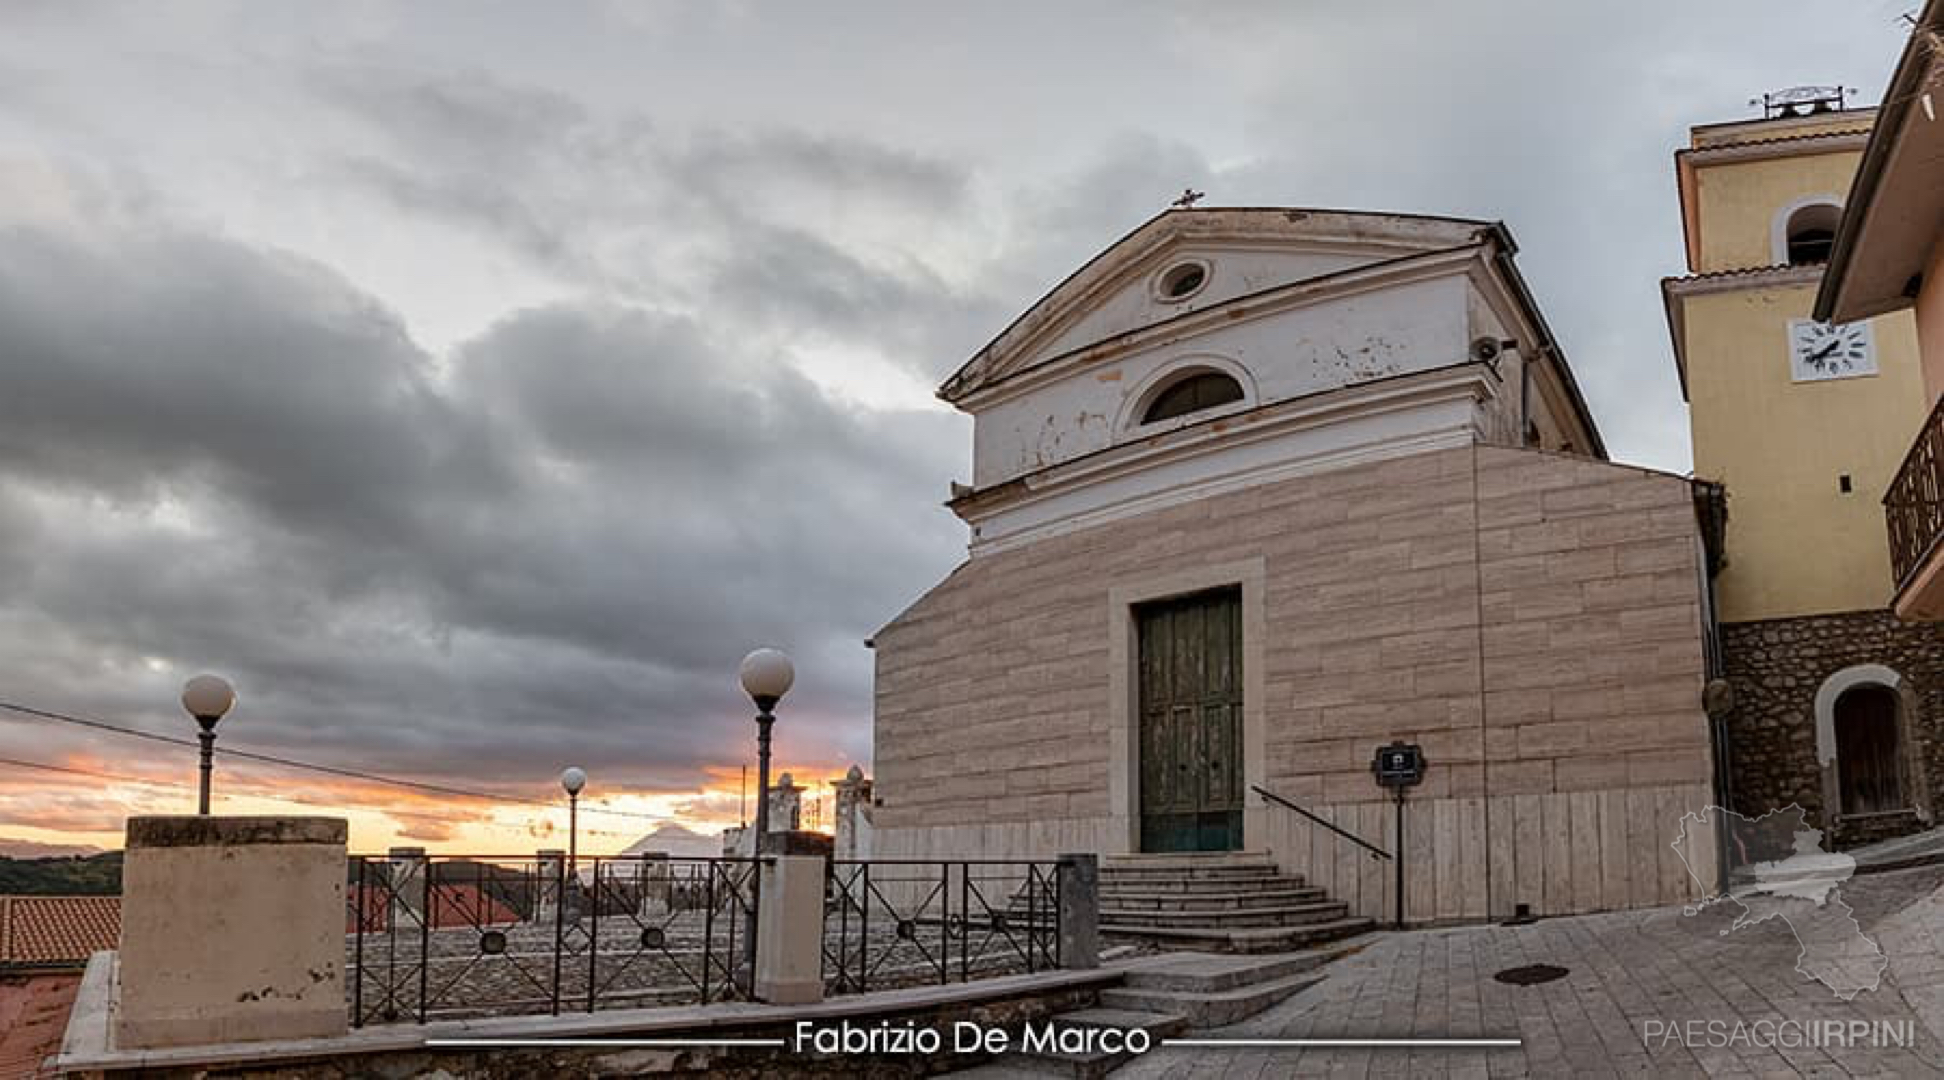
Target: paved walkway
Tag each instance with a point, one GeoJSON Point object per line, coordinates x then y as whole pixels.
{"type": "Point", "coordinates": [1626, 970]}
{"type": "Point", "coordinates": [1903, 851]}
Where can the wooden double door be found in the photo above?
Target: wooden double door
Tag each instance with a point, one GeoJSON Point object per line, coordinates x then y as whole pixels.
{"type": "Point", "coordinates": [1191, 722]}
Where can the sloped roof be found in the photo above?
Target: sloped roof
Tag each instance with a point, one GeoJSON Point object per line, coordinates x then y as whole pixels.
{"type": "Point", "coordinates": [49, 930]}
{"type": "Point", "coordinates": [1385, 235]}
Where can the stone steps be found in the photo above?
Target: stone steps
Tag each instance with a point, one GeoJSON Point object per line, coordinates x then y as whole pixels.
{"type": "Point", "coordinates": [1243, 939]}
{"type": "Point", "coordinates": [1191, 873]}
{"type": "Point", "coordinates": [1186, 858]}
{"type": "Point", "coordinates": [1205, 973]}
{"type": "Point", "coordinates": [1251, 882]}
{"type": "Point", "coordinates": [1211, 1008]}
{"type": "Point", "coordinates": [1255, 915]}
{"type": "Point", "coordinates": [1219, 901]}
{"type": "Point", "coordinates": [1190, 900]}
{"type": "Point", "coordinates": [1095, 1062]}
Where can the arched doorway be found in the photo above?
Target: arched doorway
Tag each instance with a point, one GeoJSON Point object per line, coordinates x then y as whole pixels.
{"type": "Point", "coordinates": [1865, 717]}
{"type": "Point", "coordinates": [1869, 754]}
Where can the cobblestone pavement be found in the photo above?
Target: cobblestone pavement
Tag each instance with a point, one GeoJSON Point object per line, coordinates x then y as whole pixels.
{"type": "Point", "coordinates": [1626, 970]}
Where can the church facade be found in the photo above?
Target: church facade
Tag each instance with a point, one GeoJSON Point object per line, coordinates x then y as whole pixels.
{"type": "Point", "coordinates": [1256, 492]}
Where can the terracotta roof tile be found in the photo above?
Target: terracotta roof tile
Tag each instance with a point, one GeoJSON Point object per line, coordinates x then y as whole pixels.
{"type": "Point", "coordinates": [1746, 271]}
{"type": "Point", "coordinates": [57, 929]}
{"type": "Point", "coordinates": [1810, 136]}
{"type": "Point", "coordinates": [454, 905]}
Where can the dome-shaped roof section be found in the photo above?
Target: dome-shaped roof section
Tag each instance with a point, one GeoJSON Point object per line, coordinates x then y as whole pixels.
{"type": "Point", "coordinates": [1186, 260]}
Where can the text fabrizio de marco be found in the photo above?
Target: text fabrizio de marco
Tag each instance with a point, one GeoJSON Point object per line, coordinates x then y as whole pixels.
{"type": "Point", "coordinates": [965, 1037]}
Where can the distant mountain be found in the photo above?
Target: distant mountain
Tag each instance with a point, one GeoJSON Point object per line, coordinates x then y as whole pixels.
{"type": "Point", "coordinates": [89, 875]}
{"type": "Point", "coordinates": [34, 849]}
{"type": "Point", "coordinates": [674, 839]}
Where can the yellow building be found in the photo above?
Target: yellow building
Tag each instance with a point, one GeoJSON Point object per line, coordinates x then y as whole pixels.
{"type": "Point", "coordinates": [1804, 425]}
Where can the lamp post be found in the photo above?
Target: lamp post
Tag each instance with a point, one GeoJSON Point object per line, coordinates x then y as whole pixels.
{"type": "Point", "coordinates": [208, 698]}
{"type": "Point", "coordinates": [572, 780]}
{"type": "Point", "coordinates": [766, 676]}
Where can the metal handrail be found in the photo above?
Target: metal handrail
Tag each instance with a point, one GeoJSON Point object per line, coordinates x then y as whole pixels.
{"type": "Point", "coordinates": [1375, 852]}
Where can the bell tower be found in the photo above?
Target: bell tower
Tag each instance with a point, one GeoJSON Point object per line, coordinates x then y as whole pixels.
{"type": "Point", "coordinates": [1804, 423]}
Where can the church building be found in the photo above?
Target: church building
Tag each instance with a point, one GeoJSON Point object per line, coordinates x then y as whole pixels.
{"type": "Point", "coordinates": [1256, 492]}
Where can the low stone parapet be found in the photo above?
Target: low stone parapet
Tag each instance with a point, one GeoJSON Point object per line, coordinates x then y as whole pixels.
{"type": "Point", "coordinates": [232, 931]}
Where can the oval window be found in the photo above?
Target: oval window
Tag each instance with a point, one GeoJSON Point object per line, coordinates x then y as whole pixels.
{"type": "Point", "coordinates": [1181, 281]}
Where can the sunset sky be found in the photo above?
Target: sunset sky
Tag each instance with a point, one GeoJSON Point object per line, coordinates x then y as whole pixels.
{"type": "Point", "coordinates": [474, 384]}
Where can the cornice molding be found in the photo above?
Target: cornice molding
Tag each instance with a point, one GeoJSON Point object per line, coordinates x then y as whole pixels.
{"type": "Point", "coordinates": [1465, 384]}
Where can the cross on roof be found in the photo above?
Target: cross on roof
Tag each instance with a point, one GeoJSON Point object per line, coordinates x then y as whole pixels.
{"type": "Point", "coordinates": [1189, 197]}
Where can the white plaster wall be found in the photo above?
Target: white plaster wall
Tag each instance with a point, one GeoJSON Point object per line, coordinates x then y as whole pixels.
{"type": "Point", "coordinates": [1406, 328]}
{"type": "Point", "coordinates": [1232, 274]}
{"type": "Point", "coordinates": [1232, 462]}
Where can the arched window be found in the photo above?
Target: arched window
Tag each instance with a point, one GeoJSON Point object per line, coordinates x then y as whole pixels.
{"type": "Point", "coordinates": [1810, 233]}
{"type": "Point", "coordinates": [1202, 390]}
{"type": "Point", "coordinates": [1867, 754]}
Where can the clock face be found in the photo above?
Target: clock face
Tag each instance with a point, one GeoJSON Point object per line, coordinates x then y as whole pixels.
{"type": "Point", "coordinates": [1819, 350]}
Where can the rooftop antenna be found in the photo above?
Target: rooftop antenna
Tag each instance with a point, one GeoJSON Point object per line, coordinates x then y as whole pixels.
{"type": "Point", "coordinates": [742, 799]}
{"type": "Point", "coordinates": [1189, 197]}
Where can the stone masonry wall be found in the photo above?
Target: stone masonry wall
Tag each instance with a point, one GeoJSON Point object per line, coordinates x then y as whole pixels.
{"type": "Point", "coordinates": [1532, 619]}
{"type": "Point", "coordinates": [1777, 665]}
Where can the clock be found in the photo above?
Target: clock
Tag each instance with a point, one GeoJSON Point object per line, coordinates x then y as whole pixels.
{"type": "Point", "coordinates": [1820, 350]}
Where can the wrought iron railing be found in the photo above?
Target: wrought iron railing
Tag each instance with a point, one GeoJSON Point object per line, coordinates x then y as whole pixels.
{"type": "Point", "coordinates": [1913, 507]}
{"type": "Point", "coordinates": [892, 923]}
{"type": "Point", "coordinates": [1374, 851]}
{"type": "Point", "coordinates": [447, 936]}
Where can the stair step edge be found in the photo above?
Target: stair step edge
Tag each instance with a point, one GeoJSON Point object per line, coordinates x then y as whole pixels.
{"type": "Point", "coordinates": [1267, 969]}
{"type": "Point", "coordinates": [1215, 1009]}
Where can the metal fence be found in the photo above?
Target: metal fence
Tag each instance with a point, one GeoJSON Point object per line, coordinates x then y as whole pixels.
{"type": "Point", "coordinates": [892, 923]}
{"type": "Point", "coordinates": [431, 937]}
{"type": "Point", "coordinates": [1913, 505]}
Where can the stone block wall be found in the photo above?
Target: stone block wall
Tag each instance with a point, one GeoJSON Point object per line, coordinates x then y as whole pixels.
{"type": "Point", "coordinates": [1776, 667]}
{"type": "Point", "coordinates": [1532, 619]}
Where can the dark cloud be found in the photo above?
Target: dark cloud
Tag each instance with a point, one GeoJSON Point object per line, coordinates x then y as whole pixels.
{"type": "Point", "coordinates": [557, 545]}
{"type": "Point", "coordinates": [778, 230]}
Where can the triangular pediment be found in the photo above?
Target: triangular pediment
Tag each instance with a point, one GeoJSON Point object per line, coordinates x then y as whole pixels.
{"type": "Point", "coordinates": [1184, 261]}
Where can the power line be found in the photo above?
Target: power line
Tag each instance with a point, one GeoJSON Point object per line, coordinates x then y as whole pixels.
{"type": "Point", "coordinates": [352, 774]}
{"type": "Point", "coordinates": [90, 773]}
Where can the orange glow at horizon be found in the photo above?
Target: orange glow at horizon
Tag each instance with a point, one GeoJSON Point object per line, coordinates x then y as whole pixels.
{"type": "Point", "coordinates": [43, 807]}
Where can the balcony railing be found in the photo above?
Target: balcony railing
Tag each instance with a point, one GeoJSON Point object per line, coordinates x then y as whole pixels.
{"type": "Point", "coordinates": [1913, 508]}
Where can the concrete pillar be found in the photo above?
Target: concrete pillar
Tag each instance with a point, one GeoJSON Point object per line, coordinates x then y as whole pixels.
{"type": "Point", "coordinates": [852, 828]}
{"type": "Point", "coordinates": [549, 865]}
{"type": "Point", "coordinates": [653, 880]}
{"type": "Point", "coordinates": [789, 931]}
{"type": "Point", "coordinates": [232, 931]}
{"type": "Point", "coordinates": [785, 809]}
{"type": "Point", "coordinates": [410, 875]}
{"type": "Point", "coordinates": [1080, 910]}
